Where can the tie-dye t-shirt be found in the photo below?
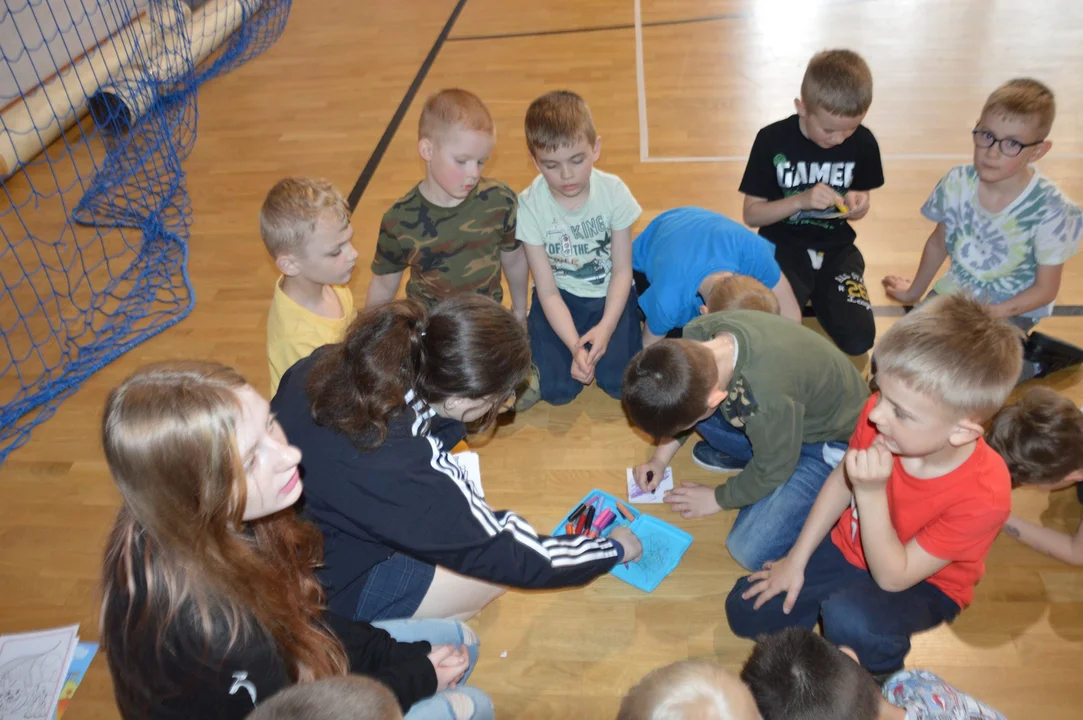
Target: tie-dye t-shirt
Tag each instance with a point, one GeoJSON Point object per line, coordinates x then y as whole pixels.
{"type": "Point", "coordinates": [996, 256]}
{"type": "Point", "coordinates": [927, 697]}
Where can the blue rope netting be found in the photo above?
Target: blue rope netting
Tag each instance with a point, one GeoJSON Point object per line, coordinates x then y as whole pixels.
{"type": "Point", "coordinates": [95, 228]}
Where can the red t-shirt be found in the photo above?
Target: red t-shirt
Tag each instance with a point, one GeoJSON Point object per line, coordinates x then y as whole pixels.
{"type": "Point", "coordinates": [954, 517]}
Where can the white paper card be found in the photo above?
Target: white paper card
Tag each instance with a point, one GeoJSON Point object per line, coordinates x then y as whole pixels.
{"type": "Point", "coordinates": [637, 496]}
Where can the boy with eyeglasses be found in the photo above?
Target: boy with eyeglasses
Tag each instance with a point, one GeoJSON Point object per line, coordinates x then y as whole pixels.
{"type": "Point", "coordinates": [1007, 229]}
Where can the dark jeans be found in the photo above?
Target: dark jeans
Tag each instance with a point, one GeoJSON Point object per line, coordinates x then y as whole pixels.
{"type": "Point", "coordinates": [642, 284]}
{"type": "Point", "coordinates": [837, 291]}
{"type": "Point", "coordinates": [768, 528]}
{"type": "Point", "coordinates": [554, 360]}
{"type": "Point", "coordinates": [856, 612]}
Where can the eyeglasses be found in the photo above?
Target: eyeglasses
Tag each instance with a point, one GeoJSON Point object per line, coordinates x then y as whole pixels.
{"type": "Point", "coordinates": [1008, 147]}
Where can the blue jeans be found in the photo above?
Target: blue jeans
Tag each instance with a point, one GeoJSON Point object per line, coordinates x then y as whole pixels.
{"type": "Point", "coordinates": [442, 632]}
{"type": "Point", "coordinates": [856, 612]}
{"type": "Point", "coordinates": [554, 360]}
{"type": "Point", "coordinates": [768, 528]}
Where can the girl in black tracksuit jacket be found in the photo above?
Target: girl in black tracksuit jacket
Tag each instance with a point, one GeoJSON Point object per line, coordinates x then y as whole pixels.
{"type": "Point", "coordinates": [375, 417]}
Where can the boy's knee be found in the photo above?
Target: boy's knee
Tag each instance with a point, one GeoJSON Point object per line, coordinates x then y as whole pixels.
{"type": "Point", "coordinates": [739, 612]}
{"type": "Point", "coordinates": [846, 623]}
{"type": "Point", "coordinates": [744, 548]}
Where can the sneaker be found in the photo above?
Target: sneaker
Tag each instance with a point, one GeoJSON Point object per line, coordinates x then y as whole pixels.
{"type": "Point", "coordinates": [714, 460]}
{"type": "Point", "coordinates": [528, 394]}
{"type": "Point", "coordinates": [1049, 354]}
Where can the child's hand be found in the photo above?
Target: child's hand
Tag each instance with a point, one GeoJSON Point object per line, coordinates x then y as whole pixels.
{"type": "Point", "coordinates": [450, 663]}
{"type": "Point", "coordinates": [869, 469]}
{"type": "Point", "coordinates": [857, 202]}
{"type": "Point", "coordinates": [582, 370]}
{"type": "Point", "coordinates": [900, 288]}
{"type": "Point", "coordinates": [692, 500]}
{"type": "Point", "coordinates": [633, 549]}
{"type": "Point", "coordinates": [819, 197]}
{"type": "Point", "coordinates": [780, 576]}
{"type": "Point", "coordinates": [598, 339]}
{"type": "Point", "coordinates": [639, 472]}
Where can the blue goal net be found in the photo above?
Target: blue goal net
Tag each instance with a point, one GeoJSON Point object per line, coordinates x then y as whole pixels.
{"type": "Point", "coordinates": [98, 109]}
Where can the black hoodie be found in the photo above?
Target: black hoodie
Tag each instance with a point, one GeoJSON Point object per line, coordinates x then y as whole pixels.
{"type": "Point", "coordinates": [410, 496]}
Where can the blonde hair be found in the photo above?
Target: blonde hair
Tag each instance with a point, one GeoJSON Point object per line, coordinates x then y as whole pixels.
{"type": "Point", "coordinates": [741, 292]}
{"type": "Point", "coordinates": [291, 210]}
{"type": "Point", "coordinates": [1024, 98]}
{"type": "Point", "coordinates": [839, 81]}
{"type": "Point", "coordinates": [453, 109]}
{"type": "Point", "coordinates": [952, 349]}
{"type": "Point", "coordinates": [353, 697]}
{"type": "Point", "coordinates": [558, 119]}
{"type": "Point", "coordinates": [689, 690]}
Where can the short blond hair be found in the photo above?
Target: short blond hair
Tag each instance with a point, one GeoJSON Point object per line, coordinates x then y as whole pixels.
{"type": "Point", "coordinates": [292, 209]}
{"type": "Point", "coordinates": [453, 109]}
{"type": "Point", "coordinates": [952, 349]}
{"type": "Point", "coordinates": [741, 292]}
{"type": "Point", "coordinates": [1024, 98]}
{"type": "Point", "coordinates": [353, 696]}
{"type": "Point", "coordinates": [556, 120]}
{"type": "Point", "coordinates": [838, 81]}
{"type": "Point", "coordinates": [689, 689]}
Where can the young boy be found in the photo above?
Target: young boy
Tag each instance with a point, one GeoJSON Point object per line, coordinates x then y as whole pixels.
{"type": "Point", "coordinates": [692, 689]}
{"type": "Point", "coordinates": [576, 222]}
{"type": "Point", "coordinates": [455, 230]}
{"type": "Point", "coordinates": [1041, 439]}
{"type": "Point", "coordinates": [766, 394]}
{"type": "Point", "coordinates": [352, 697]}
{"type": "Point", "coordinates": [797, 675]}
{"type": "Point", "coordinates": [1007, 229]}
{"type": "Point", "coordinates": [897, 538]}
{"type": "Point", "coordinates": [807, 178]}
{"type": "Point", "coordinates": [305, 225]}
{"type": "Point", "coordinates": [740, 292]}
{"type": "Point", "coordinates": [680, 257]}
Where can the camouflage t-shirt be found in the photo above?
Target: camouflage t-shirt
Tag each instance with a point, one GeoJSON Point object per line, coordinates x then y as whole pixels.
{"type": "Point", "coordinates": [449, 251]}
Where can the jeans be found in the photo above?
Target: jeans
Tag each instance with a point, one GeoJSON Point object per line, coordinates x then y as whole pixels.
{"type": "Point", "coordinates": [768, 528]}
{"type": "Point", "coordinates": [856, 612]}
{"type": "Point", "coordinates": [554, 360]}
{"type": "Point", "coordinates": [442, 632]}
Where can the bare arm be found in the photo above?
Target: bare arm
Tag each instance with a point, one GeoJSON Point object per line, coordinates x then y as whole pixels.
{"type": "Point", "coordinates": [382, 289]}
{"type": "Point", "coordinates": [759, 212]}
{"type": "Point", "coordinates": [1041, 293]}
{"type": "Point", "coordinates": [516, 270]}
{"type": "Point", "coordinates": [1062, 546]}
{"type": "Point", "coordinates": [932, 257]}
{"type": "Point", "coordinates": [831, 502]}
{"type": "Point", "coordinates": [895, 567]}
{"type": "Point", "coordinates": [556, 312]}
{"type": "Point", "coordinates": [620, 286]}
{"type": "Point", "coordinates": [787, 303]}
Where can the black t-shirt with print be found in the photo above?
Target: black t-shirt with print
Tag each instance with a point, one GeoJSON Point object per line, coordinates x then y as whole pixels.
{"type": "Point", "coordinates": [784, 162]}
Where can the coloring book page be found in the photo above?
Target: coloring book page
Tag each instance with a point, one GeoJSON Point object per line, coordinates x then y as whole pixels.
{"type": "Point", "coordinates": [32, 671]}
{"type": "Point", "coordinates": [637, 496]}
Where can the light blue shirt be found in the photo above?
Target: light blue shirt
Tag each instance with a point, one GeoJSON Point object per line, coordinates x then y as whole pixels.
{"type": "Point", "coordinates": [680, 248]}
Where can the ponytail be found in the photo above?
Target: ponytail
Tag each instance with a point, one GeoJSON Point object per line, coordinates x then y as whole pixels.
{"type": "Point", "coordinates": [466, 346]}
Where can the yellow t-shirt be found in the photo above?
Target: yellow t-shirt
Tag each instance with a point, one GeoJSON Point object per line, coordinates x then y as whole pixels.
{"type": "Point", "coordinates": [293, 331]}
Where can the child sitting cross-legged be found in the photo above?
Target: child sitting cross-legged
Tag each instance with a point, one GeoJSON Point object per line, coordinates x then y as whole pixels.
{"type": "Point", "coordinates": [897, 539]}
{"type": "Point", "coordinates": [1005, 227]}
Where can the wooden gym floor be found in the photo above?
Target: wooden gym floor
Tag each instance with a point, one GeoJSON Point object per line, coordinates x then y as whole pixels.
{"type": "Point", "coordinates": [711, 72]}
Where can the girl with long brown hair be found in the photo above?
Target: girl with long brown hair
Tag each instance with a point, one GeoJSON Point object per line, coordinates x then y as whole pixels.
{"type": "Point", "coordinates": [210, 604]}
{"type": "Point", "coordinates": [407, 534]}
